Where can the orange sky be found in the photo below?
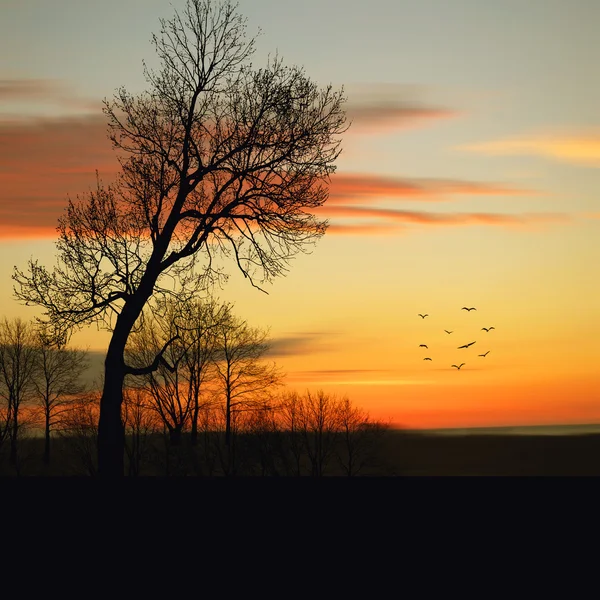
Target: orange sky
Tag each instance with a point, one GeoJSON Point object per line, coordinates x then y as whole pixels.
{"type": "Point", "coordinates": [469, 177]}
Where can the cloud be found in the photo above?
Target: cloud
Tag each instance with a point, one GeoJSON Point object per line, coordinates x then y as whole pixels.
{"type": "Point", "coordinates": [364, 229]}
{"type": "Point", "coordinates": [321, 372]}
{"type": "Point", "coordinates": [299, 344]}
{"type": "Point", "coordinates": [22, 89]}
{"type": "Point", "coordinates": [28, 93]}
{"type": "Point", "coordinates": [345, 377]}
{"type": "Point", "coordinates": [356, 187]}
{"type": "Point", "coordinates": [430, 218]}
{"type": "Point", "coordinates": [579, 149]}
{"type": "Point", "coordinates": [385, 108]}
{"type": "Point", "coordinates": [388, 117]}
{"type": "Point", "coordinates": [44, 160]}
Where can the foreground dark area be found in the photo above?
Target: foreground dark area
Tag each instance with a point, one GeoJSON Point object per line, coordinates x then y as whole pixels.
{"type": "Point", "coordinates": [395, 453]}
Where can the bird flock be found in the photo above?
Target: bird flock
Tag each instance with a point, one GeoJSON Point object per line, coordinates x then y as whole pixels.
{"type": "Point", "coordinates": [459, 365]}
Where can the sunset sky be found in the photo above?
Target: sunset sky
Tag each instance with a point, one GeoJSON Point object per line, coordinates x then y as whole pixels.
{"type": "Point", "coordinates": [469, 177]}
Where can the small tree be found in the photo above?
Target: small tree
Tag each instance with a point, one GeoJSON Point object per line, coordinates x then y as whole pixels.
{"type": "Point", "coordinates": [244, 380]}
{"type": "Point", "coordinates": [319, 422]}
{"type": "Point", "coordinates": [217, 158]}
{"type": "Point", "coordinates": [166, 387]}
{"type": "Point", "coordinates": [17, 363]}
{"type": "Point", "coordinates": [79, 432]}
{"type": "Point", "coordinates": [264, 441]}
{"type": "Point", "coordinates": [291, 417]}
{"type": "Point", "coordinates": [140, 423]}
{"type": "Point", "coordinates": [56, 380]}
{"type": "Point", "coordinates": [198, 323]}
{"type": "Point", "coordinates": [359, 436]}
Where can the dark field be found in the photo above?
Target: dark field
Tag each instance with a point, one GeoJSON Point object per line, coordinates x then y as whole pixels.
{"type": "Point", "coordinates": [495, 454]}
{"type": "Point", "coordinates": [396, 453]}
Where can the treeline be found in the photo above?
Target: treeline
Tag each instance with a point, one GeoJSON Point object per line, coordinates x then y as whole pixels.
{"type": "Point", "coordinates": [203, 401]}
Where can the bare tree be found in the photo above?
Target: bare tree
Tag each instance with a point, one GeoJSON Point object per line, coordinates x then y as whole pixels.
{"type": "Point", "coordinates": [198, 322]}
{"type": "Point", "coordinates": [17, 360]}
{"type": "Point", "coordinates": [290, 412]}
{"type": "Point", "coordinates": [320, 423]}
{"type": "Point", "coordinates": [140, 423]}
{"type": "Point", "coordinates": [56, 380]}
{"type": "Point", "coordinates": [218, 159]}
{"type": "Point", "coordinates": [166, 387]}
{"type": "Point", "coordinates": [79, 431]}
{"type": "Point", "coordinates": [264, 441]}
{"type": "Point", "coordinates": [244, 379]}
{"type": "Point", "coordinates": [359, 436]}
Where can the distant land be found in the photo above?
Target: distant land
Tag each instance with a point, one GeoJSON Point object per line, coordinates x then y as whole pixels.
{"type": "Point", "coordinates": [558, 429]}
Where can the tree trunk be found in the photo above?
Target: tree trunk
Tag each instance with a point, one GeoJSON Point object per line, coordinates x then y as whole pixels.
{"type": "Point", "coordinates": [228, 420]}
{"type": "Point", "coordinates": [175, 435]}
{"type": "Point", "coordinates": [194, 431]}
{"type": "Point", "coordinates": [13, 437]}
{"type": "Point", "coordinates": [111, 433]}
{"type": "Point", "coordinates": [111, 430]}
{"type": "Point", "coordinates": [47, 440]}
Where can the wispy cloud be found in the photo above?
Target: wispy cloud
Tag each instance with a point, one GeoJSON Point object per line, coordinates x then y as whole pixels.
{"type": "Point", "coordinates": [362, 382]}
{"type": "Point", "coordinates": [300, 344]}
{"type": "Point", "coordinates": [356, 187]}
{"type": "Point", "coordinates": [43, 160]}
{"type": "Point", "coordinates": [362, 377]}
{"type": "Point", "coordinates": [431, 218]}
{"type": "Point", "coordinates": [336, 372]}
{"type": "Point", "coordinates": [41, 93]}
{"type": "Point", "coordinates": [388, 117]}
{"type": "Point", "coordinates": [23, 89]}
{"type": "Point", "coordinates": [581, 149]}
{"type": "Point", "coordinates": [377, 229]}
{"type": "Point", "coordinates": [386, 108]}
{"type": "Point", "coordinates": [354, 204]}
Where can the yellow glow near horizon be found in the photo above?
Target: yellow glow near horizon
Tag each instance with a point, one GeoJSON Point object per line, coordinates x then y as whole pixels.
{"type": "Point", "coordinates": [584, 149]}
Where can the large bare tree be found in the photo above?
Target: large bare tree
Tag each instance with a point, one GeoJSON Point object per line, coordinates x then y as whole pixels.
{"type": "Point", "coordinates": [218, 158]}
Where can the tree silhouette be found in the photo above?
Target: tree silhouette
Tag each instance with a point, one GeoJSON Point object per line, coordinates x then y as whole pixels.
{"type": "Point", "coordinates": [56, 380]}
{"type": "Point", "coordinates": [291, 416]}
{"type": "Point", "coordinates": [320, 423]}
{"type": "Point", "coordinates": [244, 380]}
{"type": "Point", "coordinates": [140, 423]}
{"type": "Point", "coordinates": [17, 362]}
{"type": "Point", "coordinates": [166, 387]}
{"type": "Point", "coordinates": [79, 431]}
{"type": "Point", "coordinates": [217, 159]}
{"type": "Point", "coordinates": [198, 322]}
{"type": "Point", "coordinates": [359, 436]}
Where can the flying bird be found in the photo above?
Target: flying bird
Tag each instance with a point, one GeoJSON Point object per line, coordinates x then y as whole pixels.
{"type": "Point", "coordinates": [427, 358]}
{"type": "Point", "coordinates": [484, 355]}
{"type": "Point", "coordinates": [469, 309]}
{"type": "Point", "coordinates": [487, 328]}
{"type": "Point", "coordinates": [466, 345]}
{"type": "Point", "coordinates": [447, 331]}
{"type": "Point", "coordinates": [423, 316]}
{"type": "Point", "coordinates": [459, 366]}
{"type": "Point", "coordinates": [422, 345]}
